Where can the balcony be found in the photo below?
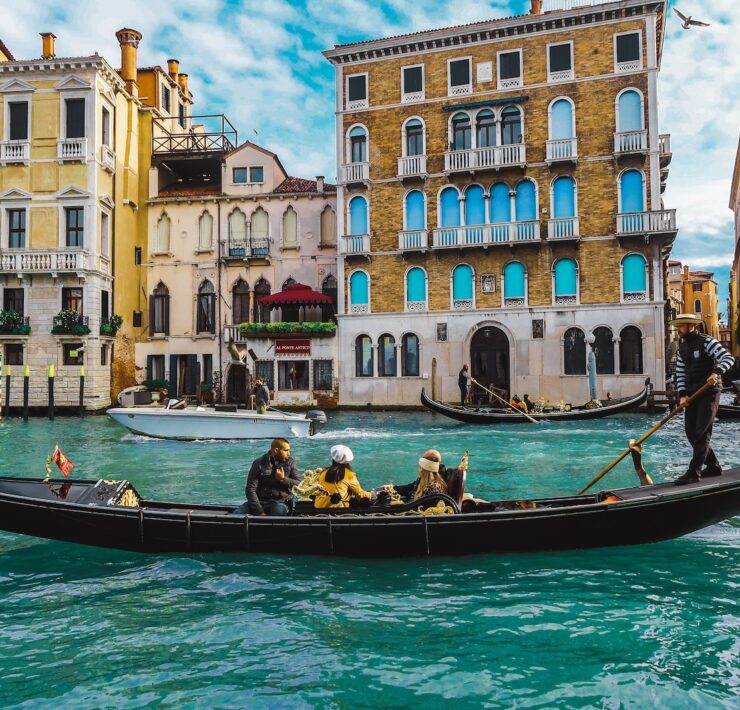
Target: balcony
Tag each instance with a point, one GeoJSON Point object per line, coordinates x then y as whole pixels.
{"type": "Point", "coordinates": [561, 150]}
{"type": "Point", "coordinates": [664, 147]}
{"type": "Point", "coordinates": [256, 248]}
{"type": "Point", "coordinates": [486, 234]}
{"type": "Point", "coordinates": [416, 306]}
{"type": "Point", "coordinates": [413, 240]}
{"type": "Point", "coordinates": [412, 166]}
{"type": "Point", "coordinates": [207, 135]}
{"type": "Point", "coordinates": [72, 150]}
{"type": "Point", "coordinates": [15, 152]}
{"type": "Point", "coordinates": [13, 323]}
{"type": "Point", "coordinates": [646, 223]}
{"type": "Point", "coordinates": [563, 75]}
{"type": "Point", "coordinates": [108, 158]}
{"type": "Point", "coordinates": [632, 65]}
{"type": "Point", "coordinates": [630, 142]}
{"type": "Point", "coordinates": [490, 158]}
{"type": "Point", "coordinates": [45, 261]}
{"type": "Point", "coordinates": [563, 228]}
{"type": "Point", "coordinates": [70, 323]}
{"type": "Point", "coordinates": [356, 244]}
{"type": "Point", "coordinates": [355, 173]}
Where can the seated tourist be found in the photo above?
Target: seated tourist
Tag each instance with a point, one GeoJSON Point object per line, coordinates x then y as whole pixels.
{"type": "Point", "coordinates": [432, 478]}
{"type": "Point", "coordinates": [528, 403]}
{"type": "Point", "coordinates": [270, 482]}
{"type": "Point", "coordinates": [340, 482]}
{"type": "Point", "coordinates": [516, 402]}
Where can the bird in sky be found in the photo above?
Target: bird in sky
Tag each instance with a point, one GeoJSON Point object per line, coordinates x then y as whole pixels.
{"type": "Point", "coordinates": [687, 22]}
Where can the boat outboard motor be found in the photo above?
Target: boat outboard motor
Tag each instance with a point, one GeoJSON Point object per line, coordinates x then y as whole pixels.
{"type": "Point", "coordinates": [318, 420]}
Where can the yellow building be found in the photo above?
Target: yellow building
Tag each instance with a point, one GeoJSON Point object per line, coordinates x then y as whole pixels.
{"type": "Point", "coordinates": [700, 298]}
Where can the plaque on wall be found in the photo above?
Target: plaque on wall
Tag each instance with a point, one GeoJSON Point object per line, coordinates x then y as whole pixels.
{"type": "Point", "coordinates": [484, 72]}
{"type": "Point", "coordinates": [441, 332]}
{"type": "Point", "coordinates": [538, 329]}
{"type": "Point", "coordinates": [488, 283]}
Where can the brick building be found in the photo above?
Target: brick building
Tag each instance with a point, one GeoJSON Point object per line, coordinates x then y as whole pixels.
{"type": "Point", "coordinates": [499, 201]}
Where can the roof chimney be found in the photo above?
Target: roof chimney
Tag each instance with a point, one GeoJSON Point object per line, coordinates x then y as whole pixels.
{"type": "Point", "coordinates": [536, 7]}
{"type": "Point", "coordinates": [319, 183]}
{"type": "Point", "coordinates": [182, 80]}
{"type": "Point", "coordinates": [47, 45]}
{"type": "Point", "coordinates": [129, 40]}
{"type": "Point", "coordinates": [686, 272]}
{"type": "Point", "coordinates": [173, 66]}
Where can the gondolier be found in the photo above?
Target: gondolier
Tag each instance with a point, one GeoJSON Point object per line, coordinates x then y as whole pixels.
{"type": "Point", "coordinates": [463, 382]}
{"type": "Point", "coordinates": [700, 359]}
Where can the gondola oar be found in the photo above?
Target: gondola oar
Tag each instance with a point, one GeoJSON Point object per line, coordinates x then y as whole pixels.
{"type": "Point", "coordinates": [508, 404]}
{"type": "Point", "coordinates": [647, 435]}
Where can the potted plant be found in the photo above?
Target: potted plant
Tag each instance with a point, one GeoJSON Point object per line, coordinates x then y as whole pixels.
{"type": "Point", "coordinates": [13, 323]}
{"type": "Point", "coordinates": [157, 388]}
{"type": "Point", "coordinates": [110, 327]}
{"type": "Point", "coordinates": [69, 323]}
{"type": "Point", "coordinates": [206, 392]}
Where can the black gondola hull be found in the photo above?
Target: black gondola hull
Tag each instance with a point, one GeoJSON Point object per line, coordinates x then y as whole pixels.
{"type": "Point", "coordinates": [642, 515]}
{"type": "Point", "coordinates": [728, 411]}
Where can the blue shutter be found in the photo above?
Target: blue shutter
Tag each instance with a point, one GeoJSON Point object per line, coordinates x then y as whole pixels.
{"type": "Point", "coordinates": [194, 371]}
{"type": "Point", "coordinates": [564, 198]}
{"type": "Point", "coordinates": [630, 112]}
{"type": "Point", "coordinates": [450, 207]}
{"type": "Point", "coordinates": [526, 203]}
{"type": "Point", "coordinates": [415, 212]}
{"type": "Point", "coordinates": [358, 288]}
{"type": "Point", "coordinates": [561, 116]}
{"type": "Point", "coordinates": [149, 366]}
{"type": "Point", "coordinates": [566, 278]}
{"type": "Point", "coordinates": [630, 185]}
{"type": "Point", "coordinates": [358, 215]}
{"type": "Point", "coordinates": [475, 205]}
{"type": "Point", "coordinates": [514, 280]}
{"type": "Point", "coordinates": [462, 283]}
{"type": "Point", "coordinates": [172, 389]}
{"type": "Point", "coordinates": [633, 273]}
{"type": "Point", "coordinates": [416, 285]}
{"type": "Point", "coordinates": [500, 203]}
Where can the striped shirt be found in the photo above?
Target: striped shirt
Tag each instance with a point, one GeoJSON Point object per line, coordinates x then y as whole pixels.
{"type": "Point", "coordinates": [723, 361]}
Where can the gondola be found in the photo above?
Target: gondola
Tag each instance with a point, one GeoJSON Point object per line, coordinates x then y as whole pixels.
{"type": "Point", "coordinates": [491, 415]}
{"type": "Point", "coordinates": [111, 514]}
{"type": "Point", "coordinates": [728, 411]}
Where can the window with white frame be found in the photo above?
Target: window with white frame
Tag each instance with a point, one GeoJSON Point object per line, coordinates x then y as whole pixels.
{"type": "Point", "coordinates": [105, 127]}
{"type": "Point", "coordinates": [74, 118]}
{"type": "Point", "coordinates": [357, 92]}
{"type": "Point", "coordinates": [560, 62]}
{"type": "Point", "coordinates": [414, 143]}
{"type": "Point", "coordinates": [510, 74]}
{"type": "Point", "coordinates": [459, 77]}
{"type": "Point", "coordinates": [163, 234]}
{"type": "Point", "coordinates": [104, 234]}
{"type": "Point", "coordinates": [412, 83]}
{"type": "Point", "coordinates": [205, 232]}
{"type": "Point", "coordinates": [74, 226]}
{"type": "Point", "coordinates": [239, 176]}
{"type": "Point", "coordinates": [627, 51]}
{"type": "Point", "coordinates": [166, 99]}
{"type": "Point", "coordinates": [18, 120]}
{"type": "Point", "coordinates": [290, 229]}
{"type": "Point", "coordinates": [16, 219]}
{"type": "Point", "coordinates": [257, 174]}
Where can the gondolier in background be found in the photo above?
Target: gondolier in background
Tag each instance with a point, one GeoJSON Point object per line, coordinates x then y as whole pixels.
{"type": "Point", "coordinates": [261, 395]}
{"type": "Point", "coordinates": [463, 382]}
{"type": "Point", "coordinates": [700, 359]}
{"type": "Point", "coordinates": [270, 482]}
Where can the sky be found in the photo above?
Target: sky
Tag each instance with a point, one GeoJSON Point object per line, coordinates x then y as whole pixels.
{"type": "Point", "coordinates": [260, 63]}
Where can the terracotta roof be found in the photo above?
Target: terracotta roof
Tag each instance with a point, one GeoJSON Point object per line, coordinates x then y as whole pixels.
{"type": "Point", "coordinates": [294, 184]}
{"type": "Point", "coordinates": [177, 190]}
{"type": "Point", "coordinates": [4, 49]}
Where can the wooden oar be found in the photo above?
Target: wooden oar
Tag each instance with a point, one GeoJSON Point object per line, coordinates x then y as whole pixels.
{"type": "Point", "coordinates": [508, 404]}
{"type": "Point", "coordinates": [648, 434]}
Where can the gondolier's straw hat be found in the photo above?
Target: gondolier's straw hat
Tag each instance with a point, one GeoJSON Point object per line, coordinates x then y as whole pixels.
{"type": "Point", "coordinates": [686, 319]}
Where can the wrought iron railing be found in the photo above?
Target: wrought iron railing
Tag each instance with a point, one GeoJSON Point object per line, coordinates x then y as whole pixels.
{"type": "Point", "coordinates": [213, 133]}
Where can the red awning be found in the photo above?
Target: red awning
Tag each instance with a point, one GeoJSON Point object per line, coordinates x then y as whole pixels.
{"type": "Point", "coordinates": [296, 295]}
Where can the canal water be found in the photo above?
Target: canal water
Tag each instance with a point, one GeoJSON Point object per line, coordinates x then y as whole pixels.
{"type": "Point", "coordinates": [655, 625]}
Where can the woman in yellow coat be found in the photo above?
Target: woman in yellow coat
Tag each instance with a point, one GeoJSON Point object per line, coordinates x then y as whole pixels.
{"type": "Point", "coordinates": [340, 481]}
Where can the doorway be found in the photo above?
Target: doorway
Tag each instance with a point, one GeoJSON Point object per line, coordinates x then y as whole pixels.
{"type": "Point", "coordinates": [236, 385]}
{"type": "Point", "coordinates": [489, 362]}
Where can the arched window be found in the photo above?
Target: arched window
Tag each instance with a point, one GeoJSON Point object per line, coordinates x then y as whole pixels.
{"type": "Point", "coordinates": [416, 289]}
{"type": "Point", "coordinates": [475, 205]}
{"type": "Point", "coordinates": [329, 288]}
{"type": "Point", "coordinates": [328, 236]}
{"type": "Point", "coordinates": [159, 311]}
{"type": "Point", "coordinates": [564, 197]}
{"type": "Point", "coordinates": [511, 126]}
{"type": "Point", "coordinates": [240, 302]}
{"type": "Point", "coordinates": [237, 233]}
{"type": "Point", "coordinates": [461, 132]}
{"type": "Point", "coordinates": [630, 351]}
{"type": "Point", "coordinates": [566, 281]}
{"type": "Point", "coordinates": [289, 312]}
{"type": "Point", "coordinates": [631, 192]}
{"type": "Point", "coordinates": [526, 211]}
{"type": "Point", "coordinates": [410, 355]}
{"type": "Point", "coordinates": [462, 287]}
{"type": "Point", "coordinates": [561, 120]}
{"type": "Point", "coordinates": [414, 143]}
{"type": "Point", "coordinates": [604, 350]}
{"type": "Point", "coordinates": [261, 312]}
{"type": "Point", "coordinates": [290, 229]}
{"type": "Point", "coordinates": [634, 278]}
{"type": "Point", "coordinates": [260, 232]}
{"type": "Point", "coordinates": [288, 282]}
{"type": "Point", "coordinates": [387, 356]}
{"type": "Point", "coordinates": [415, 212]}
{"type": "Point", "coordinates": [449, 203]}
{"type": "Point", "coordinates": [363, 356]}
{"type": "Point", "coordinates": [358, 215]}
{"type": "Point", "coordinates": [515, 289]}
{"type": "Point", "coordinates": [500, 203]}
{"type": "Point", "coordinates": [206, 316]}
{"type": "Point", "coordinates": [485, 128]}
{"type": "Point", "coordinates": [358, 145]}
{"type": "Point", "coordinates": [359, 292]}
{"type": "Point", "coordinates": [574, 352]}
{"type": "Point", "coordinates": [163, 234]}
{"type": "Point", "coordinates": [205, 232]}
{"type": "Point", "coordinates": [629, 110]}
{"type": "Point", "coordinates": [697, 306]}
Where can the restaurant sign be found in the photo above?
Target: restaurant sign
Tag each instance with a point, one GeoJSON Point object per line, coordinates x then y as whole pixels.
{"type": "Point", "coordinates": [293, 346]}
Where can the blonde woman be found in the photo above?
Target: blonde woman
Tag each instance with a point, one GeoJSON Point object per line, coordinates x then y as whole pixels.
{"type": "Point", "coordinates": [431, 478]}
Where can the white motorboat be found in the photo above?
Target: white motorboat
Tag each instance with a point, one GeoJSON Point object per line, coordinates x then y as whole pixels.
{"type": "Point", "coordinates": [193, 423]}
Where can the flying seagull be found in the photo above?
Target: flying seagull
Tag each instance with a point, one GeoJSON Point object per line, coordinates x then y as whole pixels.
{"type": "Point", "coordinates": [687, 22]}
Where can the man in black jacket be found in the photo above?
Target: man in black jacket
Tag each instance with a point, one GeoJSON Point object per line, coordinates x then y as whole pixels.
{"type": "Point", "coordinates": [261, 395]}
{"type": "Point", "coordinates": [700, 359]}
{"type": "Point", "coordinates": [463, 382]}
{"type": "Point", "coordinates": [270, 482]}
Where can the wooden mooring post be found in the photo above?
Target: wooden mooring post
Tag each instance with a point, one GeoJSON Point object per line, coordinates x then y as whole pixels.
{"type": "Point", "coordinates": [26, 377]}
{"type": "Point", "coordinates": [52, 374]}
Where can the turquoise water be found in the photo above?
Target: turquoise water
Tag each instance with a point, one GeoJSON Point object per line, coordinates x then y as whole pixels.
{"type": "Point", "coordinates": [650, 626]}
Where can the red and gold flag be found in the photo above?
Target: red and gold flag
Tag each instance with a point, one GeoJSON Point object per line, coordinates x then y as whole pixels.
{"type": "Point", "coordinates": [64, 464]}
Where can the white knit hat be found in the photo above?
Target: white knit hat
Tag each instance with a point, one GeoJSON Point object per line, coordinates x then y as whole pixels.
{"type": "Point", "coordinates": [341, 453]}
